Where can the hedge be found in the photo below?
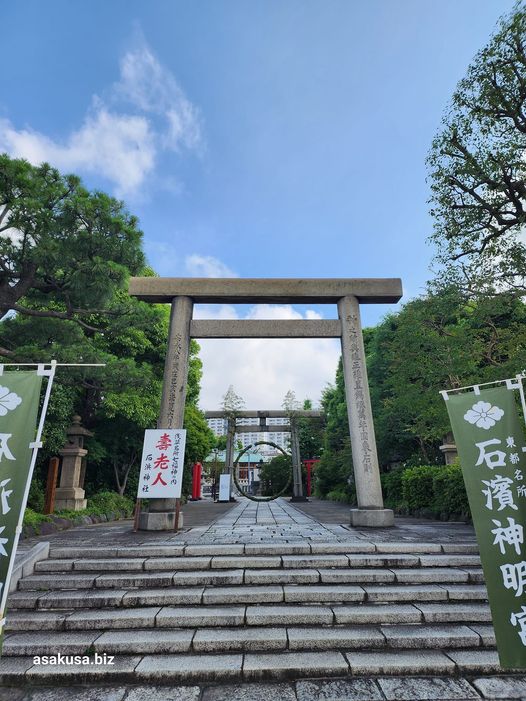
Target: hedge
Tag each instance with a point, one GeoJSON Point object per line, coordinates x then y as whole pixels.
{"type": "Point", "coordinates": [339, 495]}
{"type": "Point", "coordinates": [449, 491]}
{"type": "Point", "coordinates": [427, 490]}
{"type": "Point", "coordinates": [417, 487]}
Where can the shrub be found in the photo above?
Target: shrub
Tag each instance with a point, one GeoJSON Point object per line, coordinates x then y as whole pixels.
{"type": "Point", "coordinates": [34, 519]}
{"type": "Point", "coordinates": [417, 486]}
{"type": "Point", "coordinates": [392, 488]}
{"type": "Point", "coordinates": [333, 471]}
{"type": "Point", "coordinates": [339, 495]}
{"type": "Point", "coordinates": [35, 499]}
{"type": "Point", "coordinates": [276, 476]}
{"type": "Point", "coordinates": [449, 492]}
{"type": "Point", "coordinates": [110, 502]}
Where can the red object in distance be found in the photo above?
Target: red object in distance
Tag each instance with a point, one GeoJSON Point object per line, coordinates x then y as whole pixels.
{"type": "Point", "coordinates": [309, 465]}
{"type": "Point", "coordinates": [196, 481]}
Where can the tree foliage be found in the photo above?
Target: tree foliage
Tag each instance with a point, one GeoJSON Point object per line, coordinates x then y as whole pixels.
{"type": "Point", "coordinates": [334, 471]}
{"type": "Point", "coordinates": [232, 403]}
{"type": "Point", "coordinates": [477, 167]}
{"type": "Point", "coordinates": [276, 475]}
{"type": "Point", "coordinates": [64, 251]}
{"type": "Point", "coordinates": [441, 341]}
{"type": "Point", "coordinates": [65, 258]}
{"type": "Point", "coordinates": [310, 434]}
{"type": "Point", "coordinates": [290, 404]}
{"type": "Point", "coordinates": [437, 342]}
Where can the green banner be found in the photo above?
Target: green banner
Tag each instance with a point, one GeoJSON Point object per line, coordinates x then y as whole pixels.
{"type": "Point", "coordinates": [489, 434]}
{"type": "Point", "coordinates": [19, 401]}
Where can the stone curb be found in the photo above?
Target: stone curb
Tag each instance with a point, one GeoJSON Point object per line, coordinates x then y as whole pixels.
{"type": "Point", "coordinates": [58, 523]}
{"type": "Point", "coordinates": [413, 552]}
{"type": "Point", "coordinates": [25, 563]}
{"type": "Point", "coordinates": [336, 689]}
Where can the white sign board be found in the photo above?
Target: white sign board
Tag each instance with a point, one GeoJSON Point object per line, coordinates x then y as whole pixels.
{"type": "Point", "coordinates": [162, 464]}
{"type": "Point", "coordinates": [224, 487]}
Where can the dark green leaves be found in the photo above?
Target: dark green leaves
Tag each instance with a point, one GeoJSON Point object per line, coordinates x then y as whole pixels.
{"type": "Point", "coordinates": [477, 168]}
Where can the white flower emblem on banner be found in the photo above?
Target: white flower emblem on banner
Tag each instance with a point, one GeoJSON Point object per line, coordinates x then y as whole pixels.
{"type": "Point", "coordinates": [8, 400]}
{"type": "Point", "coordinates": [483, 415]}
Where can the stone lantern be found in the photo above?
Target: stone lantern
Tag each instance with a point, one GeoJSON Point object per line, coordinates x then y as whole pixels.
{"type": "Point", "coordinates": [449, 449]}
{"type": "Point", "coordinates": [70, 493]}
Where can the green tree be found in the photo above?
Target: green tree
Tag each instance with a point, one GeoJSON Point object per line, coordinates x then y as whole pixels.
{"type": "Point", "coordinates": [334, 472]}
{"type": "Point", "coordinates": [66, 255]}
{"type": "Point", "coordinates": [290, 403]}
{"type": "Point", "coordinates": [276, 475]}
{"type": "Point", "coordinates": [232, 403]}
{"type": "Point", "coordinates": [440, 341]}
{"type": "Point", "coordinates": [477, 168]}
{"type": "Point", "coordinates": [311, 433]}
{"type": "Point", "coordinates": [437, 342]}
{"type": "Point", "coordinates": [64, 251]}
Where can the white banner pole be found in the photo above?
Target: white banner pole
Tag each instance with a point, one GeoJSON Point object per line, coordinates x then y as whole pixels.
{"type": "Point", "coordinates": [35, 445]}
{"type": "Point", "coordinates": [521, 393]}
{"type": "Point", "coordinates": [476, 387]}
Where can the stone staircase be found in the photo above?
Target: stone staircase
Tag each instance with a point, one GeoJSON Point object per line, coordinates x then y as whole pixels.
{"type": "Point", "coordinates": [178, 613]}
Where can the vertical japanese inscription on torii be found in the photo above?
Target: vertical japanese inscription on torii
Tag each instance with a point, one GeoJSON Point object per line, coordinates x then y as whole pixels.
{"type": "Point", "coordinates": [353, 328]}
{"type": "Point", "coordinates": [175, 386]}
{"type": "Point", "coordinates": [176, 366]}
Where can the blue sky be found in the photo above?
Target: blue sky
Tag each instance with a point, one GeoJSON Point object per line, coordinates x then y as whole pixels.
{"type": "Point", "coordinates": [280, 138]}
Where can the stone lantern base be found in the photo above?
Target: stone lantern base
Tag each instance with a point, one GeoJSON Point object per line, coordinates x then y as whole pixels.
{"type": "Point", "coordinates": [71, 498]}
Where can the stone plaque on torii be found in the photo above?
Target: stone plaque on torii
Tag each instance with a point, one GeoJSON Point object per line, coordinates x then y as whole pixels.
{"type": "Point", "coordinates": [346, 293]}
{"type": "Point", "coordinates": [263, 427]}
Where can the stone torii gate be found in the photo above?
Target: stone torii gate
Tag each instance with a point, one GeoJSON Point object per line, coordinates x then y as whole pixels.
{"type": "Point", "coordinates": [263, 427]}
{"type": "Point", "coordinates": [346, 293]}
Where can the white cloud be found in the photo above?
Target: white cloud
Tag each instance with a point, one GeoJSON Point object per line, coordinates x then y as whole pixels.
{"type": "Point", "coordinates": [207, 266]}
{"type": "Point", "coordinates": [223, 311]}
{"type": "Point", "coordinates": [115, 142]}
{"type": "Point", "coordinates": [263, 370]}
{"type": "Point", "coordinates": [118, 147]}
{"type": "Point", "coordinates": [152, 88]}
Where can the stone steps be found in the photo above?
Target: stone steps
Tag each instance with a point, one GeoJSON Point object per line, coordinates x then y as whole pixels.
{"type": "Point", "coordinates": [264, 549]}
{"type": "Point", "coordinates": [253, 666]}
{"type": "Point", "coordinates": [255, 639]}
{"type": "Point", "coordinates": [181, 613]}
{"type": "Point", "coordinates": [163, 578]}
{"type": "Point", "coordinates": [230, 562]}
{"type": "Point", "coordinates": [247, 594]}
{"type": "Point", "coordinates": [106, 617]}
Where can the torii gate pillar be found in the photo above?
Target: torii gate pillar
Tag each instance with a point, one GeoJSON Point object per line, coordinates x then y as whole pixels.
{"type": "Point", "coordinates": [370, 511]}
{"type": "Point", "coordinates": [161, 513]}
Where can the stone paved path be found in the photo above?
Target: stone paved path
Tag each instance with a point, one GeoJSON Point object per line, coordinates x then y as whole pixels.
{"type": "Point", "coordinates": [263, 522]}
{"type": "Point", "coordinates": [275, 521]}
{"type": "Point", "coordinates": [378, 689]}
{"type": "Point", "coordinates": [280, 521]}
{"type": "Point", "coordinates": [204, 512]}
